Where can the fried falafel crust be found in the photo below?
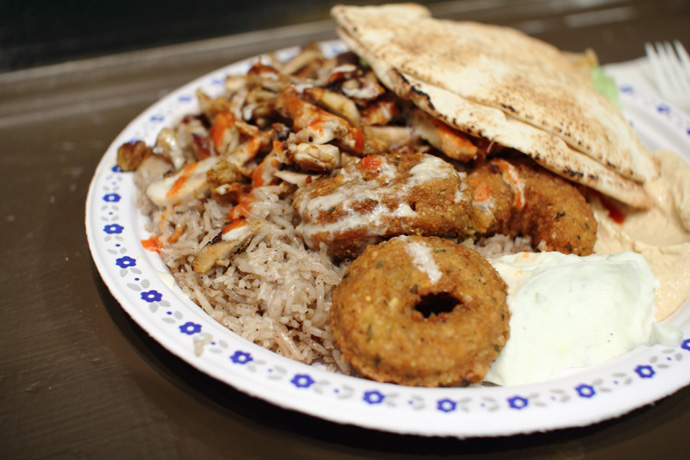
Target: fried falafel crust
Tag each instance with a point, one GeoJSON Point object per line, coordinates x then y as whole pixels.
{"type": "Point", "coordinates": [403, 192]}
{"type": "Point", "coordinates": [387, 331]}
{"type": "Point", "coordinates": [518, 197]}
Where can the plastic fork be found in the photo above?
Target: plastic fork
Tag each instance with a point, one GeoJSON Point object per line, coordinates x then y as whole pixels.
{"type": "Point", "coordinates": [671, 71]}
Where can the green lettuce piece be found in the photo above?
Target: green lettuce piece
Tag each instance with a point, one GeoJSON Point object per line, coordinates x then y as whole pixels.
{"type": "Point", "coordinates": [605, 85]}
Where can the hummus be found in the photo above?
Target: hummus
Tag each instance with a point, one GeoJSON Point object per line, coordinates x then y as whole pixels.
{"type": "Point", "coordinates": [661, 234]}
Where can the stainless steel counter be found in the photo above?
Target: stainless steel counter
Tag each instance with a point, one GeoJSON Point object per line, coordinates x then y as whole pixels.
{"type": "Point", "coordinates": [79, 379]}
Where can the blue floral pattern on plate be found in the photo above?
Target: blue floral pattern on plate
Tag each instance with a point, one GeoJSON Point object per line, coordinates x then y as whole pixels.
{"type": "Point", "coordinates": [145, 289]}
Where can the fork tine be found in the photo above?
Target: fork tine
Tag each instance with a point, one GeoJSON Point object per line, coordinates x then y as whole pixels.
{"type": "Point", "coordinates": [655, 64]}
{"type": "Point", "coordinates": [668, 56]}
{"type": "Point", "coordinates": [665, 54]}
{"type": "Point", "coordinates": [669, 71]}
{"type": "Point", "coordinates": [677, 68]}
{"type": "Point", "coordinates": [683, 55]}
{"type": "Point", "coordinates": [655, 56]}
{"type": "Point", "coordinates": [672, 69]}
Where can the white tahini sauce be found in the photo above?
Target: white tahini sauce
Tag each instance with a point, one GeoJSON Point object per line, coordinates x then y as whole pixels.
{"type": "Point", "coordinates": [431, 167]}
{"type": "Point", "coordinates": [355, 190]}
{"type": "Point", "coordinates": [423, 260]}
{"type": "Point", "coordinates": [569, 312]}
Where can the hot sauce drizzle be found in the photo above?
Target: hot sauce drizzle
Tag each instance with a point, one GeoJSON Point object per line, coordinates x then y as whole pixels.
{"type": "Point", "coordinates": [152, 244]}
{"type": "Point", "coordinates": [179, 183]}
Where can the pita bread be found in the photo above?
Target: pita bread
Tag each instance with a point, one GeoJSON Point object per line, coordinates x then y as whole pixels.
{"type": "Point", "coordinates": [507, 87]}
{"type": "Point", "coordinates": [494, 125]}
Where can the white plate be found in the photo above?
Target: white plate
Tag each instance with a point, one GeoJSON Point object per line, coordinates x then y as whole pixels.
{"type": "Point", "coordinates": [143, 286]}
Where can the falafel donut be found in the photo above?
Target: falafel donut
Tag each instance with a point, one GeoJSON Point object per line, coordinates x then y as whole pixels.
{"type": "Point", "coordinates": [420, 311]}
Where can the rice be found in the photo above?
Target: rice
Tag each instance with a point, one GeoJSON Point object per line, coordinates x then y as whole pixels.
{"type": "Point", "coordinates": [275, 293]}
{"type": "Point", "coordinates": [500, 245]}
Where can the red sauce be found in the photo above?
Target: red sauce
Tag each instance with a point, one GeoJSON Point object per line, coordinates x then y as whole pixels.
{"type": "Point", "coordinates": [615, 214]}
{"type": "Point", "coordinates": [233, 225]}
{"type": "Point", "coordinates": [179, 183]}
{"type": "Point", "coordinates": [359, 140]}
{"type": "Point", "coordinates": [510, 175]}
{"type": "Point", "coordinates": [241, 209]}
{"type": "Point", "coordinates": [371, 162]}
{"type": "Point", "coordinates": [258, 174]}
{"type": "Point", "coordinates": [152, 244]}
{"type": "Point", "coordinates": [222, 122]}
{"type": "Point", "coordinates": [254, 146]}
{"type": "Point", "coordinates": [279, 146]}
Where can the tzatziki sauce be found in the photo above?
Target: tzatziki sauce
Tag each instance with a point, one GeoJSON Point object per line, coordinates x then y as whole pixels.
{"type": "Point", "coordinates": [569, 312]}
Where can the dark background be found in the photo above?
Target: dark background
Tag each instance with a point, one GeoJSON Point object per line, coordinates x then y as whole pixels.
{"type": "Point", "coordinates": [40, 32]}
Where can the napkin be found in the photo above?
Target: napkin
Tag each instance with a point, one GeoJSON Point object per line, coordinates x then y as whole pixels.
{"type": "Point", "coordinates": [638, 74]}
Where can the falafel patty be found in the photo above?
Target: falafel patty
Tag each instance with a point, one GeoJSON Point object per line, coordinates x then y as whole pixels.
{"type": "Point", "coordinates": [421, 311]}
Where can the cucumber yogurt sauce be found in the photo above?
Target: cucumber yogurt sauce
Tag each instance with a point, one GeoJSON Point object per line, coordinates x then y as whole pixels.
{"type": "Point", "coordinates": [569, 312]}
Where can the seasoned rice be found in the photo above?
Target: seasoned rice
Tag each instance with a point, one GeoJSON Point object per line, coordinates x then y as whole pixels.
{"type": "Point", "coordinates": [275, 293]}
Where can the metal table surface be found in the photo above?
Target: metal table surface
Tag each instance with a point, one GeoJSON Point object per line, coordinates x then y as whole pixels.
{"type": "Point", "coordinates": [79, 379]}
